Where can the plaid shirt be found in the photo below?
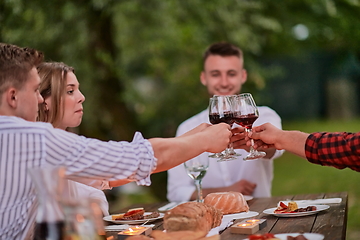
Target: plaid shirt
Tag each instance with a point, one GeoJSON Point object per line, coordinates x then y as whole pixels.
{"type": "Point", "coordinates": [339, 149]}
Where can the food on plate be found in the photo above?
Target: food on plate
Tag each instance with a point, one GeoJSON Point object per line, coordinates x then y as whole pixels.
{"type": "Point", "coordinates": [152, 215]}
{"type": "Point", "coordinates": [134, 214]}
{"type": "Point", "coordinates": [292, 207]}
{"type": "Point", "coordinates": [227, 202]}
{"type": "Point", "coordinates": [117, 216]}
{"type": "Point", "coordinates": [193, 216]}
{"type": "Point", "coordinates": [265, 236]}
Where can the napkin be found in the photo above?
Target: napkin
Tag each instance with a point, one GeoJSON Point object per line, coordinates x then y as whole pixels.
{"type": "Point", "coordinates": [317, 201]}
{"type": "Point", "coordinates": [115, 228]}
{"type": "Point", "coordinates": [169, 206]}
{"type": "Point", "coordinates": [217, 230]}
{"type": "Point", "coordinates": [228, 220]}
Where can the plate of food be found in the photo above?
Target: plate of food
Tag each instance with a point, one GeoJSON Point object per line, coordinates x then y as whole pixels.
{"type": "Point", "coordinates": [292, 209]}
{"type": "Point", "coordinates": [286, 236]}
{"type": "Point", "coordinates": [134, 216]}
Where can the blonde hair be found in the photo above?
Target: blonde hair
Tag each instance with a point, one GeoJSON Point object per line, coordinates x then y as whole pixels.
{"type": "Point", "coordinates": [53, 84]}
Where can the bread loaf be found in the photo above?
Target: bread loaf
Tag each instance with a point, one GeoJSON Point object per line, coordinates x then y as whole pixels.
{"type": "Point", "coordinates": [179, 235]}
{"type": "Point", "coordinates": [227, 202]}
{"type": "Point", "coordinates": [193, 216]}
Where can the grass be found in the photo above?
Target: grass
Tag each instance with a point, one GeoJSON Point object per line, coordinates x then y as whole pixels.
{"type": "Point", "coordinates": [294, 175]}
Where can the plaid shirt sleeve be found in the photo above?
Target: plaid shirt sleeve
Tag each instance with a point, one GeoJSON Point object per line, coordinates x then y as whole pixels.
{"type": "Point", "coordinates": [339, 149]}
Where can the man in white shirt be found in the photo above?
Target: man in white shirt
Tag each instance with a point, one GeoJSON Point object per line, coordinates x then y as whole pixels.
{"type": "Point", "coordinates": [26, 144]}
{"type": "Point", "coordinates": [223, 74]}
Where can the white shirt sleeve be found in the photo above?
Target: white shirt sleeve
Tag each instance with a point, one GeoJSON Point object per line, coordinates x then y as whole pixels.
{"type": "Point", "coordinates": [87, 157]}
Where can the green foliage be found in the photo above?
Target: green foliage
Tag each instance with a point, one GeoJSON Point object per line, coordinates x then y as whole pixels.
{"type": "Point", "coordinates": [139, 61]}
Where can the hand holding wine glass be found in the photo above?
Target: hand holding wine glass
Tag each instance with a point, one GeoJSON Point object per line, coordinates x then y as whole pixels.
{"type": "Point", "coordinates": [245, 116]}
{"type": "Point", "coordinates": [221, 109]}
{"type": "Point", "coordinates": [196, 169]}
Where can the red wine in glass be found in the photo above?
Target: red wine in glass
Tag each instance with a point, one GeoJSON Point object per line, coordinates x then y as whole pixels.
{"type": "Point", "coordinates": [227, 117]}
{"type": "Point", "coordinates": [245, 115]}
{"type": "Point", "coordinates": [221, 110]}
{"type": "Point", "coordinates": [246, 121]}
{"type": "Point", "coordinates": [46, 230]}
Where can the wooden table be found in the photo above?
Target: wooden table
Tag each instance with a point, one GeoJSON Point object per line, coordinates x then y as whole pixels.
{"type": "Point", "coordinates": [331, 223]}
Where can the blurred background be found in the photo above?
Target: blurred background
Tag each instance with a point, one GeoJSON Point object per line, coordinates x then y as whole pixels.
{"type": "Point", "coordinates": [138, 62]}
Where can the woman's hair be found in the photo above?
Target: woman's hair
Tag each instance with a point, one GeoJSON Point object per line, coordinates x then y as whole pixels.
{"type": "Point", "coordinates": [15, 65]}
{"type": "Point", "coordinates": [53, 84]}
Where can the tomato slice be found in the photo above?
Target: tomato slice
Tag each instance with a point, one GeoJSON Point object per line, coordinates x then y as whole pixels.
{"type": "Point", "coordinates": [283, 205]}
{"type": "Point", "coordinates": [261, 237]}
{"type": "Point", "coordinates": [256, 237]}
{"type": "Point", "coordinates": [268, 235]}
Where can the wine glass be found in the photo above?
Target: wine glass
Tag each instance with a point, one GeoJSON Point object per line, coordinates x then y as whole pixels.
{"type": "Point", "coordinates": [214, 119]}
{"type": "Point", "coordinates": [196, 169]}
{"type": "Point", "coordinates": [221, 109]}
{"type": "Point", "coordinates": [245, 116]}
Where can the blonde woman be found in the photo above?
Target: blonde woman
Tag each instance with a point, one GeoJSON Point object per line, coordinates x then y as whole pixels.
{"type": "Point", "coordinates": [62, 107]}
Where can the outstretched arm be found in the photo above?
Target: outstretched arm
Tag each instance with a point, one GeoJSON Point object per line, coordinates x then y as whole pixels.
{"type": "Point", "coordinates": [270, 136]}
{"type": "Point", "coordinates": [171, 152]}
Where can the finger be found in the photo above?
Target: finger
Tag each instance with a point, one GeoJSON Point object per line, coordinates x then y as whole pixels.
{"type": "Point", "coordinates": [237, 137]}
{"type": "Point", "coordinates": [238, 130]}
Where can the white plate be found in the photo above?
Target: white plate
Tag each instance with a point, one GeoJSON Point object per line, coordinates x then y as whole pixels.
{"type": "Point", "coordinates": [240, 215]}
{"type": "Point", "coordinates": [109, 219]}
{"type": "Point", "coordinates": [319, 208]}
{"type": "Point", "coordinates": [248, 198]}
{"type": "Point", "coordinates": [308, 236]}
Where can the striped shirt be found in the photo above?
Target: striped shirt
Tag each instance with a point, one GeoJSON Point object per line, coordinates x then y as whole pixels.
{"type": "Point", "coordinates": [26, 145]}
{"type": "Point", "coordinates": [339, 149]}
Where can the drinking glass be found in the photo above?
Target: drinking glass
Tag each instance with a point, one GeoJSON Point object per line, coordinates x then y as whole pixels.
{"type": "Point", "coordinates": [221, 109]}
{"type": "Point", "coordinates": [214, 119]}
{"type": "Point", "coordinates": [49, 217]}
{"type": "Point", "coordinates": [196, 169]}
{"type": "Point", "coordinates": [245, 116]}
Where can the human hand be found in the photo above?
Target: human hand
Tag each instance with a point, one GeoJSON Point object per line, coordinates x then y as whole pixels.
{"type": "Point", "coordinates": [217, 137]}
{"type": "Point", "coordinates": [239, 138]}
{"type": "Point", "coordinates": [243, 186]}
{"type": "Point", "coordinates": [265, 136]}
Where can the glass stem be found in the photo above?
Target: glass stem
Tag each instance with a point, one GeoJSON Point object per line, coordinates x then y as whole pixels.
{"type": "Point", "coordinates": [252, 141]}
{"type": "Point", "coordinates": [230, 147]}
{"type": "Point", "coordinates": [198, 190]}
